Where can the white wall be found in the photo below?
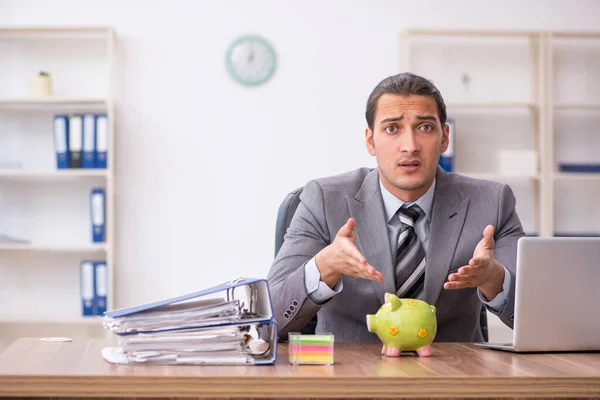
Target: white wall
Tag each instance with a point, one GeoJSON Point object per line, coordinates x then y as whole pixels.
{"type": "Point", "coordinates": [202, 162]}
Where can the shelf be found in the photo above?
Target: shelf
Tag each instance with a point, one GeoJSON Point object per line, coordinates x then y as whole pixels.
{"type": "Point", "coordinates": [490, 104]}
{"type": "Point", "coordinates": [470, 33]}
{"type": "Point", "coordinates": [576, 235]}
{"type": "Point", "coordinates": [53, 174]}
{"type": "Point", "coordinates": [498, 177]}
{"type": "Point", "coordinates": [36, 195]}
{"type": "Point", "coordinates": [576, 35]}
{"type": "Point", "coordinates": [577, 106]}
{"type": "Point", "coordinates": [577, 176]}
{"type": "Point", "coordinates": [53, 103]}
{"type": "Point", "coordinates": [45, 319]}
{"type": "Point", "coordinates": [78, 31]}
{"type": "Point", "coordinates": [53, 248]}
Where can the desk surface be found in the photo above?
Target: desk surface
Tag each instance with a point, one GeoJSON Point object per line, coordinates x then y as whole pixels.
{"type": "Point", "coordinates": [33, 368]}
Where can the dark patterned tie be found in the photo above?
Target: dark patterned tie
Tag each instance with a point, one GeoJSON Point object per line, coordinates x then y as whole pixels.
{"type": "Point", "coordinates": [410, 256]}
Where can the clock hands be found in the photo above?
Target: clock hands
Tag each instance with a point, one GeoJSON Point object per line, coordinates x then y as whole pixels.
{"type": "Point", "coordinates": [251, 55]}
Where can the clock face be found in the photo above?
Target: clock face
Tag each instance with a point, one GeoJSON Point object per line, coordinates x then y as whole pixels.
{"type": "Point", "coordinates": [250, 60]}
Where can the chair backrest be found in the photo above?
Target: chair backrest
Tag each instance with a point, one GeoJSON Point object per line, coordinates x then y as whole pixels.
{"type": "Point", "coordinates": [285, 215]}
{"type": "Point", "coordinates": [284, 218]}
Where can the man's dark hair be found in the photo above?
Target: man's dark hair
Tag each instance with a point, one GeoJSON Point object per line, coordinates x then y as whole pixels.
{"type": "Point", "coordinates": [404, 84]}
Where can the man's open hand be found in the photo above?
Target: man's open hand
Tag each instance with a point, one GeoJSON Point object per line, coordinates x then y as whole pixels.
{"type": "Point", "coordinates": [483, 270]}
{"type": "Point", "coordinates": [342, 257]}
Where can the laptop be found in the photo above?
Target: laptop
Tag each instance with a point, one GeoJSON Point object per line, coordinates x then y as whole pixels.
{"type": "Point", "coordinates": [557, 296]}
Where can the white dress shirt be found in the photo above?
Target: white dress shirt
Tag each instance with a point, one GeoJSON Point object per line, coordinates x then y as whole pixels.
{"type": "Point", "coordinates": [319, 292]}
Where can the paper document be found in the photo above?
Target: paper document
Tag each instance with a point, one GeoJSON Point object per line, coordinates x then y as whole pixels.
{"type": "Point", "coordinates": [191, 329]}
{"type": "Point", "coordinates": [178, 316]}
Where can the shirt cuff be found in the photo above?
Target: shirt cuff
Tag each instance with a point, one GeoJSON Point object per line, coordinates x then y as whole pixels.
{"type": "Point", "coordinates": [318, 291]}
{"type": "Point", "coordinates": [498, 303]}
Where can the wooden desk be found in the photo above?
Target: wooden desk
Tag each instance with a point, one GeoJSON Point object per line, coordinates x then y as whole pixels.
{"type": "Point", "coordinates": [40, 369]}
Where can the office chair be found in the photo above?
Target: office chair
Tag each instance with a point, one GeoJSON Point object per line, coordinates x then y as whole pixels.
{"type": "Point", "coordinates": [284, 218]}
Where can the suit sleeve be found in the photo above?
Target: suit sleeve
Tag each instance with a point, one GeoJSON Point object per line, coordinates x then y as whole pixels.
{"type": "Point", "coordinates": [305, 237]}
{"type": "Point", "coordinates": [508, 231]}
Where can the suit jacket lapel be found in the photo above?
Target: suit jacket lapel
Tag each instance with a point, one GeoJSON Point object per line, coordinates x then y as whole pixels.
{"type": "Point", "coordinates": [371, 232]}
{"type": "Point", "coordinates": [447, 220]}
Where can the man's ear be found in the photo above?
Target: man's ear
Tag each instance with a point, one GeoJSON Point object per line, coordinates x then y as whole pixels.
{"type": "Point", "coordinates": [369, 141]}
{"type": "Point", "coordinates": [445, 138]}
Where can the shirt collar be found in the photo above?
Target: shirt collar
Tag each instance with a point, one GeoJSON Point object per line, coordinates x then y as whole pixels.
{"type": "Point", "coordinates": [391, 203]}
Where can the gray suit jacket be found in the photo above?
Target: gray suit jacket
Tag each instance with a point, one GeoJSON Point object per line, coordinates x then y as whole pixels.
{"type": "Point", "coordinates": [462, 207]}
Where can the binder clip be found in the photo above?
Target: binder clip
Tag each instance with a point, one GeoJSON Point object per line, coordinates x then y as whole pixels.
{"type": "Point", "coordinates": [310, 349]}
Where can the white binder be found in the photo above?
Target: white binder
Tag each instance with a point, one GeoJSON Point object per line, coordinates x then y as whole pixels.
{"type": "Point", "coordinates": [75, 140]}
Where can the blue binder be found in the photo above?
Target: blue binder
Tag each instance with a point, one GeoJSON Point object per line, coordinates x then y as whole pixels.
{"type": "Point", "coordinates": [260, 311]}
{"type": "Point", "coordinates": [61, 140]}
{"type": "Point", "coordinates": [255, 311]}
{"type": "Point", "coordinates": [97, 213]}
{"type": "Point", "coordinates": [579, 167]}
{"type": "Point", "coordinates": [75, 140]}
{"type": "Point", "coordinates": [101, 160]}
{"type": "Point", "coordinates": [89, 141]}
{"type": "Point", "coordinates": [100, 286]}
{"type": "Point", "coordinates": [87, 283]}
{"type": "Point", "coordinates": [447, 157]}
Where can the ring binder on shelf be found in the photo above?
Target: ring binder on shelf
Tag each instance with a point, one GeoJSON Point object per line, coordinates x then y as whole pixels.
{"type": "Point", "coordinates": [89, 140]}
{"type": "Point", "coordinates": [100, 286]}
{"type": "Point", "coordinates": [447, 158]}
{"type": "Point", "coordinates": [101, 159]}
{"type": "Point", "coordinates": [61, 141]}
{"type": "Point", "coordinates": [87, 282]}
{"type": "Point", "coordinates": [98, 215]}
{"type": "Point", "coordinates": [75, 140]}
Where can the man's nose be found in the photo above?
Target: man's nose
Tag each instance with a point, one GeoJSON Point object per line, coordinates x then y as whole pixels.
{"type": "Point", "coordinates": [408, 144]}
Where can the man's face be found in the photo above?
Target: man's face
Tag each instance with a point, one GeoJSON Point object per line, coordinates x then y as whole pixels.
{"type": "Point", "coordinates": [407, 140]}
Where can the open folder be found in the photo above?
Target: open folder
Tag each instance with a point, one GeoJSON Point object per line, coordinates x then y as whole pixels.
{"type": "Point", "coordinates": [218, 325]}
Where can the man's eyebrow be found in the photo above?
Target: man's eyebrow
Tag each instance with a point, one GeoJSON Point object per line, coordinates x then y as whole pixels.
{"type": "Point", "coordinates": [401, 117]}
{"type": "Point", "coordinates": [391, 119]}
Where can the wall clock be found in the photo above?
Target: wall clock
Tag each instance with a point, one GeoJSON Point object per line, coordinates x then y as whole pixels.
{"type": "Point", "coordinates": [250, 60]}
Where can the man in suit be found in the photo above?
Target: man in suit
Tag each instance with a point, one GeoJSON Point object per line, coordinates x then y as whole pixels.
{"type": "Point", "coordinates": [405, 227]}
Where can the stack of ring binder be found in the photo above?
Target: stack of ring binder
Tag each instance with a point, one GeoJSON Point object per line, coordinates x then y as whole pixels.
{"type": "Point", "coordinates": [196, 328]}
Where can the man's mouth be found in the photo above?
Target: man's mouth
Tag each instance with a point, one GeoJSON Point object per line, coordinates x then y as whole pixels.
{"type": "Point", "coordinates": [410, 165]}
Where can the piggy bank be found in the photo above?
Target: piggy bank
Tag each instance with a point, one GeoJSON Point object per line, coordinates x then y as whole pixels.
{"type": "Point", "coordinates": [404, 324]}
